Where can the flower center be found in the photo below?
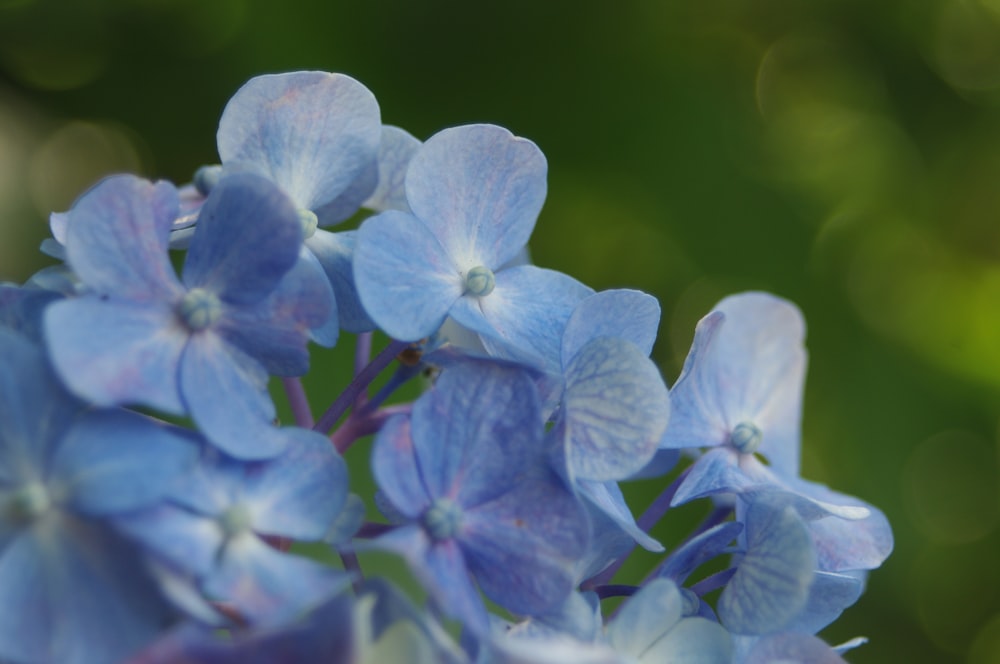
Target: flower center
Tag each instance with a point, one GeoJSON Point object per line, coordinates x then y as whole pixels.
{"type": "Point", "coordinates": [28, 503]}
{"type": "Point", "coordinates": [746, 437]}
{"type": "Point", "coordinates": [442, 520]}
{"type": "Point", "coordinates": [199, 309]}
{"type": "Point", "coordinates": [479, 281]}
{"type": "Point", "coordinates": [236, 520]}
{"type": "Point", "coordinates": [309, 222]}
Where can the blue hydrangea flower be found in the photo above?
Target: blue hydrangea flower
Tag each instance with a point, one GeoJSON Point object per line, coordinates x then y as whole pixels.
{"type": "Point", "coordinates": [319, 137]}
{"type": "Point", "coordinates": [475, 193]}
{"type": "Point", "coordinates": [214, 521]}
{"type": "Point", "coordinates": [469, 473]}
{"type": "Point", "coordinates": [203, 344]}
{"type": "Point", "coordinates": [70, 589]}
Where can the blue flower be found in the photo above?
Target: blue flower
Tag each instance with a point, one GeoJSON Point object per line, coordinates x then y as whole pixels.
{"type": "Point", "coordinates": [469, 473]}
{"type": "Point", "coordinates": [475, 193]}
{"type": "Point", "coordinates": [70, 589]}
{"type": "Point", "coordinates": [203, 345]}
{"type": "Point", "coordinates": [319, 137]}
{"type": "Point", "coordinates": [213, 523]}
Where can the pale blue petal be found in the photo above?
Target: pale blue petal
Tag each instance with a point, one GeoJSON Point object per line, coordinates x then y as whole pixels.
{"type": "Point", "coordinates": [477, 433]}
{"type": "Point", "coordinates": [396, 470]}
{"type": "Point", "coordinates": [117, 235]}
{"type": "Point", "coordinates": [695, 551]}
{"type": "Point", "coordinates": [829, 595]}
{"type": "Point", "coordinates": [405, 279]}
{"type": "Point", "coordinates": [113, 352]}
{"type": "Point", "coordinates": [747, 364]}
{"type": "Point", "coordinates": [620, 313]}
{"type": "Point", "coordinates": [791, 648]}
{"type": "Point", "coordinates": [312, 133]}
{"type": "Point", "coordinates": [394, 154]}
{"type": "Point", "coordinates": [248, 236]}
{"type": "Point", "coordinates": [771, 584]}
{"type": "Point", "coordinates": [266, 586]}
{"type": "Point", "coordinates": [335, 253]}
{"type": "Point", "coordinates": [186, 541]}
{"type": "Point", "coordinates": [226, 393]}
{"type": "Point", "coordinates": [112, 461]}
{"type": "Point", "coordinates": [299, 493]}
{"type": "Point", "coordinates": [615, 408]}
{"type": "Point", "coordinates": [479, 189]}
{"type": "Point", "coordinates": [715, 471]}
{"type": "Point", "coordinates": [525, 315]}
{"type": "Point", "coordinates": [21, 309]}
{"type": "Point", "coordinates": [74, 594]}
{"type": "Point", "coordinates": [608, 498]}
{"type": "Point", "coordinates": [645, 617]}
{"type": "Point", "coordinates": [35, 410]}
{"type": "Point", "coordinates": [692, 641]}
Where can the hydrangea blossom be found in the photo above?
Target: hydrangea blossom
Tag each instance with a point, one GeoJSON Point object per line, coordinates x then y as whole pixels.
{"type": "Point", "coordinates": [125, 538]}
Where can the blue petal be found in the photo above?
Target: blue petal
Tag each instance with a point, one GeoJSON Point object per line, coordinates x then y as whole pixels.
{"type": "Point", "coordinates": [395, 467]}
{"type": "Point", "coordinates": [312, 133]}
{"type": "Point", "coordinates": [335, 253]}
{"type": "Point", "coordinates": [615, 408]}
{"type": "Point", "coordinates": [620, 313]}
{"type": "Point", "coordinates": [645, 617]}
{"type": "Point", "coordinates": [299, 493]}
{"type": "Point", "coordinates": [791, 648]}
{"type": "Point", "coordinates": [693, 641]}
{"type": "Point", "coordinates": [771, 584]}
{"type": "Point", "coordinates": [117, 235]}
{"type": "Point", "coordinates": [695, 551]}
{"type": "Point", "coordinates": [114, 352]}
{"type": "Point", "coordinates": [405, 280]}
{"type": "Point", "coordinates": [536, 528]}
{"type": "Point", "coordinates": [113, 461]}
{"type": "Point", "coordinates": [477, 432]}
{"type": "Point", "coordinates": [747, 364]}
{"type": "Point", "coordinates": [276, 330]}
{"type": "Point", "coordinates": [248, 236]}
{"type": "Point", "coordinates": [186, 541]}
{"type": "Point", "coordinates": [479, 189]}
{"type": "Point", "coordinates": [394, 154]}
{"type": "Point", "coordinates": [608, 498]}
{"type": "Point", "coordinates": [74, 594]}
{"type": "Point", "coordinates": [226, 393]}
{"type": "Point", "coordinates": [715, 471]}
{"type": "Point", "coordinates": [525, 315]}
{"type": "Point", "coordinates": [35, 410]}
{"type": "Point", "coordinates": [21, 309]}
{"type": "Point", "coordinates": [829, 595]}
{"type": "Point", "coordinates": [264, 585]}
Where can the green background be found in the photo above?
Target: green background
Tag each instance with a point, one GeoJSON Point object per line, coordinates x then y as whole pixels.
{"type": "Point", "coordinates": [843, 154]}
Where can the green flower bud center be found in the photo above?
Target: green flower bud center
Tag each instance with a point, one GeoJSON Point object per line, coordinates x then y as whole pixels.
{"type": "Point", "coordinates": [236, 520]}
{"type": "Point", "coordinates": [199, 309]}
{"type": "Point", "coordinates": [746, 437]}
{"type": "Point", "coordinates": [28, 503]}
{"type": "Point", "coordinates": [309, 222]}
{"type": "Point", "coordinates": [480, 281]}
{"type": "Point", "coordinates": [443, 520]}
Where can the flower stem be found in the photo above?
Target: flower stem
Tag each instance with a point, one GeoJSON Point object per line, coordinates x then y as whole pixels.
{"type": "Point", "coordinates": [358, 385]}
{"type": "Point", "coordinates": [298, 401]}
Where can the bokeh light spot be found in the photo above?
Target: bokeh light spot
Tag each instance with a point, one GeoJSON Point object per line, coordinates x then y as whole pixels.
{"type": "Point", "coordinates": [75, 157]}
{"type": "Point", "coordinates": [950, 485]}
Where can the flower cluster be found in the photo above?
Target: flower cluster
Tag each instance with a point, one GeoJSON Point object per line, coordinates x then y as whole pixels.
{"type": "Point", "coordinates": [153, 510]}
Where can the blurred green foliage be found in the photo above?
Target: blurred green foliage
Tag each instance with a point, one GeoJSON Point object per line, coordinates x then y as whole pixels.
{"type": "Point", "coordinates": [842, 153]}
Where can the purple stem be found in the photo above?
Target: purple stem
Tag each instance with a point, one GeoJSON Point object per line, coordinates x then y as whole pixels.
{"type": "Point", "coordinates": [713, 582]}
{"type": "Point", "coordinates": [353, 567]}
{"type": "Point", "coordinates": [370, 529]}
{"type": "Point", "coordinates": [356, 427]}
{"type": "Point", "coordinates": [615, 590]}
{"type": "Point", "coordinates": [358, 385]}
{"type": "Point", "coordinates": [298, 401]}
{"type": "Point", "coordinates": [362, 356]}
